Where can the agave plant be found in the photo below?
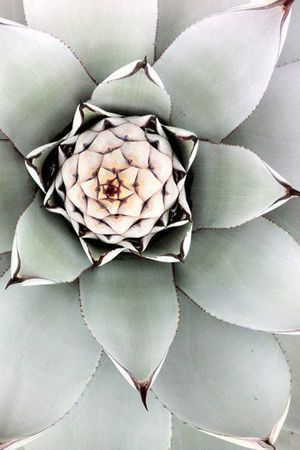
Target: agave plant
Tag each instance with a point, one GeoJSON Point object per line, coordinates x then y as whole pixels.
{"type": "Point", "coordinates": [149, 245]}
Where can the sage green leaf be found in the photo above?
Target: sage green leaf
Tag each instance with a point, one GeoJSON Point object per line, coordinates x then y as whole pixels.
{"type": "Point", "coordinates": [213, 92]}
{"type": "Point", "coordinates": [171, 245]}
{"type": "Point", "coordinates": [216, 377]}
{"type": "Point", "coordinates": [46, 249]}
{"type": "Point", "coordinates": [104, 34]}
{"type": "Point", "coordinates": [45, 105]}
{"type": "Point", "coordinates": [231, 186]}
{"type": "Point", "coordinates": [98, 252]}
{"type": "Point", "coordinates": [288, 440]}
{"type": "Point", "coordinates": [272, 131]}
{"type": "Point", "coordinates": [109, 417]}
{"type": "Point", "coordinates": [186, 437]}
{"type": "Point", "coordinates": [47, 357]}
{"type": "Point", "coordinates": [130, 306]}
{"type": "Point", "coordinates": [34, 162]}
{"type": "Point", "coordinates": [291, 51]}
{"type": "Point", "coordinates": [12, 10]}
{"type": "Point", "coordinates": [16, 191]}
{"type": "Point", "coordinates": [174, 16]}
{"type": "Point", "coordinates": [288, 218]}
{"type": "Point", "coordinates": [85, 113]}
{"type": "Point", "coordinates": [186, 144]}
{"type": "Point", "coordinates": [134, 90]}
{"type": "Point", "coordinates": [248, 276]}
{"type": "Point", "coordinates": [291, 348]}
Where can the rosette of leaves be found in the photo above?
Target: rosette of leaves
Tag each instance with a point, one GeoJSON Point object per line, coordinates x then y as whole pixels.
{"type": "Point", "coordinates": [149, 192]}
{"type": "Point", "coordinates": [119, 183]}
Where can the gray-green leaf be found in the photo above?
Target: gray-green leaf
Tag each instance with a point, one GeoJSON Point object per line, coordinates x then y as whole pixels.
{"type": "Point", "coordinates": [213, 90]}
{"type": "Point", "coordinates": [217, 377]}
{"type": "Point", "coordinates": [16, 191]}
{"type": "Point", "coordinates": [109, 417]}
{"type": "Point", "coordinates": [46, 249]}
{"type": "Point", "coordinates": [232, 186]}
{"type": "Point", "coordinates": [133, 90]}
{"type": "Point", "coordinates": [130, 306]}
{"type": "Point", "coordinates": [248, 276]}
{"type": "Point", "coordinates": [47, 356]}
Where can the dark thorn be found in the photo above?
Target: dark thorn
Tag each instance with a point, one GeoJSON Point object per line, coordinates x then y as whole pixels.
{"type": "Point", "coordinates": [267, 441]}
{"type": "Point", "coordinates": [143, 389]}
{"type": "Point", "coordinates": [12, 281]}
{"type": "Point", "coordinates": [287, 5]}
{"type": "Point", "coordinates": [292, 192]}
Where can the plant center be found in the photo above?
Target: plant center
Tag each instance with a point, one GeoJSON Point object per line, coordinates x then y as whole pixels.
{"type": "Point", "coordinates": [112, 191]}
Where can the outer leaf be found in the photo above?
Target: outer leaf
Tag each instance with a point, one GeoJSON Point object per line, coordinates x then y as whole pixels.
{"type": "Point", "coordinates": [291, 348]}
{"type": "Point", "coordinates": [109, 417]}
{"type": "Point", "coordinates": [291, 51]}
{"type": "Point", "coordinates": [48, 98]}
{"type": "Point", "coordinates": [273, 129]}
{"type": "Point", "coordinates": [248, 276]}
{"type": "Point", "coordinates": [47, 356]}
{"type": "Point", "coordinates": [174, 16]}
{"type": "Point", "coordinates": [184, 436]}
{"type": "Point", "coordinates": [217, 377]}
{"type": "Point", "coordinates": [13, 10]}
{"type": "Point", "coordinates": [134, 90]}
{"type": "Point", "coordinates": [105, 35]}
{"type": "Point", "coordinates": [212, 91]}
{"type": "Point", "coordinates": [231, 186]}
{"type": "Point", "coordinates": [45, 249]}
{"type": "Point", "coordinates": [130, 306]}
{"type": "Point", "coordinates": [16, 192]}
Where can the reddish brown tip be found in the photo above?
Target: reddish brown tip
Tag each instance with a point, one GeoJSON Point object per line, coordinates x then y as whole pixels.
{"type": "Point", "coordinates": [143, 389]}
{"type": "Point", "coordinates": [291, 192]}
{"type": "Point", "coordinates": [286, 5]}
{"type": "Point", "coordinates": [10, 282]}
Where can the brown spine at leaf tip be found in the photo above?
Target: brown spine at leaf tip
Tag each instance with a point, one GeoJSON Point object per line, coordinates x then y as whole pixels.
{"type": "Point", "coordinates": [143, 389]}
{"type": "Point", "coordinates": [286, 5]}
{"type": "Point", "coordinates": [269, 444]}
{"type": "Point", "coordinates": [291, 192]}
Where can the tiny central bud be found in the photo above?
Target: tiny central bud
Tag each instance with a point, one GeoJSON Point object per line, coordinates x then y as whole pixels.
{"type": "Point", "coordinates": [111, 190]}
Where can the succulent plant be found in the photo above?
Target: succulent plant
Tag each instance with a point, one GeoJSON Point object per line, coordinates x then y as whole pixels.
{"type": "Point", "coordinates": [149, 194]}
{"type": "Point", "coordinates": [117, 181]}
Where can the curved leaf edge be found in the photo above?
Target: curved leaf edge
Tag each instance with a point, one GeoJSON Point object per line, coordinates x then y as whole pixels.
{"type": "Point", "coordinates": [14, 445]}
{"type": "Point", "coordinates": [141, 386]}
{"type": "Point", "coordinates": [290, 191]}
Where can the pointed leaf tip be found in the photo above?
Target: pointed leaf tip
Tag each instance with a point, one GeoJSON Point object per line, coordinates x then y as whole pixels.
{"type": "Point", "coordinates": [11, 282]}
{"type": "Point", "coordinates": [128, 299]}
{"type": "Point", "coordinates": [292, 192]}
{"type": "Point", "coordinates": [256, 51]}
{"type": "Point", "coordinates": [143, 389]}
{"type": "Point", "coordinates": [286, 4]}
